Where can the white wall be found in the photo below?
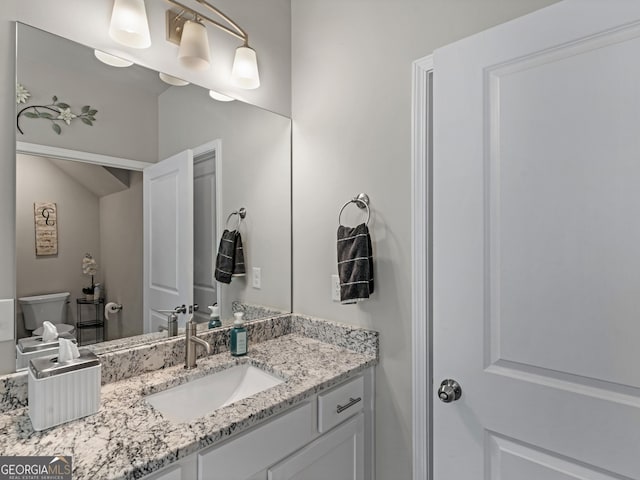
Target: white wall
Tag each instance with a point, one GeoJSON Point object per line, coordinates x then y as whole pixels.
{"type": "Point", "coordinates": [255, 174]}
{"type": "Point", "coordinates": [122, 256]}
{"type": "Point", "coordinates": [351, 63]}
{"type": "Point", "coordinates": [125, 123]}
{"type": "Point", "coordinates": [39, 180]}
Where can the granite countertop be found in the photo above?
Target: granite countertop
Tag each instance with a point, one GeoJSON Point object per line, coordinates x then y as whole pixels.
{"type": "Point", "coordinates": [128, 438]}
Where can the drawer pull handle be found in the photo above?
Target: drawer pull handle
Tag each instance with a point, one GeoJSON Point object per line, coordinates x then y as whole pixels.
{"type": "Point", "coordinates": [352, 402]}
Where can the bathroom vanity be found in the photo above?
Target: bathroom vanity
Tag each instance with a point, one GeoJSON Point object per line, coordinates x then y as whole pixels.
{"type": "Point", "coordinates": [324, 437]}
{"type": "Point", "coordinates": [319, 419]}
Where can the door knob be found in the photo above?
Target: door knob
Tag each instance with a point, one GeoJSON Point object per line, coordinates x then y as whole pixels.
{"type": "Point", "coordinates": [449, 391]}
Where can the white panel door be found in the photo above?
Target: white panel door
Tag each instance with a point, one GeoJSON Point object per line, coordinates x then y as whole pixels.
{"type": "Point", "coordinates": [205, 290]}
{"type": "Point", "coordinates": [536, 257]}
{"type": "Point", "coordinates": [168, 238]}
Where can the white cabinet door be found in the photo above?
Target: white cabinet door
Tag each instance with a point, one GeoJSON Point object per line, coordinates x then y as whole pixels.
{"type": "Point", "coordinates": [168, 238]}
{"type": "Point", "coordinates": [535, 250]}
{"type": "Point", "coordinates": [184, 469]}
{"type": "Point", "coordinates": [243, 457]}
{"type": "Point", "coordinates": [172, 473]}
{"type": "Point", "coordinates": [337, 455]}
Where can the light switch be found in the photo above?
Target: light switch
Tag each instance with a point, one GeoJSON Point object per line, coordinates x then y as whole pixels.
{"type": "Point", "coordinates": [257, 277]}
{"type": "Point", "coordinates": [335, 288]}
{"type": "Point", "coordinates": [7, 319]}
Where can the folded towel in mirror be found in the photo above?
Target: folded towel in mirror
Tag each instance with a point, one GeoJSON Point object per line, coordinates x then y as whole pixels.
{"type": "Point", "coordinates": [226, 256]}
{"type": "Point", "coordinates": [230, 259]}
{"type": "Point", "coordinates": [355, 263]}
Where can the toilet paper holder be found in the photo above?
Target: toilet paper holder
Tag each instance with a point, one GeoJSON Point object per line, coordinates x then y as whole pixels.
{"type": "Point", "coordinates": [111, 307]}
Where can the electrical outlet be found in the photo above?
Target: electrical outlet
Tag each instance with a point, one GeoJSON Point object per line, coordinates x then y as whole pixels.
{"type": "Point", "coordinates": [335, 288]}
{"type": "Point", "coordinates": [257, 277]}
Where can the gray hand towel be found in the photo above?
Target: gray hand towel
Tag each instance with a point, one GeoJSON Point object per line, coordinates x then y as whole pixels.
{"type": "Point", "coordinates": [355, 263]}
{"type": "Point", "coordinates": [238, 260]}
{"type": "Point", "coordinates": [230, 259]}
{"type": "Point", "coordinates": [226, 257]}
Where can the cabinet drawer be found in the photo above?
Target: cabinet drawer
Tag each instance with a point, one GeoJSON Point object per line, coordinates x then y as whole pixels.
{"type": "Point", "coordinates": [340, 403]}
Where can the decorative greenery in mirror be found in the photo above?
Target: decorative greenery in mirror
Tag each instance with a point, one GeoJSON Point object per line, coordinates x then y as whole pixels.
{"type": "Point", "coordinates": [61, 111]}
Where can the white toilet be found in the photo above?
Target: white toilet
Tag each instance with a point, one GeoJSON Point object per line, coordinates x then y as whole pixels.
{"type": "Point", "coordinates": [51, 307]}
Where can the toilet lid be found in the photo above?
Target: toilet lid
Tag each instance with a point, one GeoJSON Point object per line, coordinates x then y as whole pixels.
{"type": "Point", "coordinates": [61, 327]}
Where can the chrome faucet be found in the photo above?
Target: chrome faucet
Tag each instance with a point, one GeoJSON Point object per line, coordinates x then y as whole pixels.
{"type": "Point", "coordinates": [191, 341]}
{"type": "Point", "coordinates": [172, 320]}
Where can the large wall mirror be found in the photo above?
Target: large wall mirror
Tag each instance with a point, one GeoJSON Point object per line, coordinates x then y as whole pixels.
{"type": "Point", "coordinates": [82, 160]}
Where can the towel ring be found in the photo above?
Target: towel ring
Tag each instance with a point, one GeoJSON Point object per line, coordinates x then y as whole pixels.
{"type": "Point", "coordinates": [362, 201]}
{"type": "Point", "coordinates": [240, 213]}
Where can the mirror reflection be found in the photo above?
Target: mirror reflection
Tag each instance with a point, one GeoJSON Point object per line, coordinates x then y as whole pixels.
{"type": "Point", "coordinates": [96, 226]}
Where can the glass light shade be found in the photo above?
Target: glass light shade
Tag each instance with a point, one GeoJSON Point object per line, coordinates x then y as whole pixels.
{"type": "Point", "coordinates": [129, 24]}
{"type": "Point", "coordinates": [111, 60]}
{"type": "Point", "coordinates": [220, 97]}
{"type": "Point", "coordinates": [245, 68]}
{"type": "Point", "coordinates": [171, 80]}
{"type": "Point", "coordinates": [194, 46]}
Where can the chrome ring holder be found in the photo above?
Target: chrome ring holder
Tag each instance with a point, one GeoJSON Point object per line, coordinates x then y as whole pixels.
{"type": "Point", "coordinates": [240, 213]}
{"type": "Point", "coordinates": [362, 201]}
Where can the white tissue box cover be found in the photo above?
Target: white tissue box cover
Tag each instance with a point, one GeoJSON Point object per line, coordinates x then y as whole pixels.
{"type": "Point", "coordinates": [65, 397]}
{"type": "Point", "coordinates": [22, 359]}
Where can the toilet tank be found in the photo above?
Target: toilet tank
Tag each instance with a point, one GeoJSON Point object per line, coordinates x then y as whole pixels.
{"type": "Point", "coordinates": [38, 308]}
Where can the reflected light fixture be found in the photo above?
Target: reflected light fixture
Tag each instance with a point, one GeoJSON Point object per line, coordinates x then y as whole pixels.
{"type": "Point", "coordinates": [129, 25]}
{"type": "Point", "coordinates": [191, 35]}
{"type": "Point", "coordinates": [171, 80]}
{"type": "Point", "coordinates": [111, 60]}
{"type": "Point", "coordinates": [220, 97]}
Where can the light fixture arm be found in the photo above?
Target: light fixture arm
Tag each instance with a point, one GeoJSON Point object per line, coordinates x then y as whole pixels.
{"type": "Point", "coordinates": [236, 31]}
{"type": "Point", "coordinates": [225, 17]}
{"type": "Point", "coordinates": [193, 52]}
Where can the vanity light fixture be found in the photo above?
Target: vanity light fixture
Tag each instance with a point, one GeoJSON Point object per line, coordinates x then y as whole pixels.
{"type": "Point", "coordinates": [194, 46]}
{"type": "Point", "coordinates": [111, 60]}
{"type": "Point", "coordinates": [245, 68]}
{"type": "Point", "coordinates": [220, 97]}
{"type": "Point", "coordinates": [129, 25]}
{"type": "Point", "coordinates": [171, 80]}
{"type": "Point", "coordinates": [191, 35]}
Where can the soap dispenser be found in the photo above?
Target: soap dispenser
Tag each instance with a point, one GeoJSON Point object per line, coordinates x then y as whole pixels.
{"type": "Point", "coordinates": [214, 317]}
{"type": "Point", "coordinates": [239, 342]}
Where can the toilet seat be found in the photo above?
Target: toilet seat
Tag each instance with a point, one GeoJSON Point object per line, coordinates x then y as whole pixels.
{"type": "Point", "coordinates": [61, 327]}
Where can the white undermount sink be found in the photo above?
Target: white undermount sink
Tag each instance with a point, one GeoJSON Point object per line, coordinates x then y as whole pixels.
{"type": "Point", "coordinates": [202, 396]}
